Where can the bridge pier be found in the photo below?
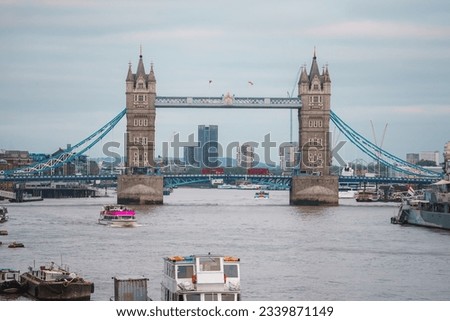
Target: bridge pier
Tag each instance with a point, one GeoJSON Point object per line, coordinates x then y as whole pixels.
{"type": "Point", "coordinates": [139, 189]}
{"type": "Point", "coordinates": [314, 190]}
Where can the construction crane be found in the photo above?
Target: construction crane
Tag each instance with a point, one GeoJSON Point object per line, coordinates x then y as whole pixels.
{"type": "Point", "coordinates": [381, 143]}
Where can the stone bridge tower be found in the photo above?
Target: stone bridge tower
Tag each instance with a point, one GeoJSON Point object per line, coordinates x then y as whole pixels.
{"type": "Point", "coordinates": [314, 91]}
{"type": "Point", "coordinates": [314, 185]}
{"type": "Point", "coordinates": [140, 104]}
{"type": "Point", "coordinates": [139, 185]}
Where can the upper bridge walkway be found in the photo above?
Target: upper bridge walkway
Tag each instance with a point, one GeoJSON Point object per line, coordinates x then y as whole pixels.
{"type": "Point", "coordinates": [228, 101]}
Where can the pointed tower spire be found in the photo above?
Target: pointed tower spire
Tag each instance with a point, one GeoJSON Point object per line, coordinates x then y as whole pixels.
{"type": "Point", "coordinates": [326, 75]}
{"type": "Point", "coordinates": [151, 75]}
{"type": "Point", "coordinates": [140, 69]}
{"type": "Point", "coordinates": [130, 76]}
{"type": "Point", "coordinates": [314, 68]}
{"type": "Point", "coordinates": [303, 76]}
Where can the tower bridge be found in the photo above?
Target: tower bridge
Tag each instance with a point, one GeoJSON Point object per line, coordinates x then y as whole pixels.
{"type": "Point", "coordinates": [142, 185]}
{"type": "Point", "coordinates": [313, 105]}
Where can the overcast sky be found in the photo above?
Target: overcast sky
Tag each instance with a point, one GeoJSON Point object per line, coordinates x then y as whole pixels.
{"type": "Point", "coordinates": [63, 66]}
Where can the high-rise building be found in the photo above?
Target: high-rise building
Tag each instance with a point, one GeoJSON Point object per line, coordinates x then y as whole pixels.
{"type": "Point", "coordinates": [412, 158]}
{"type": "Point", "coordinates": [288, 154]}
{"type": "Point", "coordinates": [189, 156]}
{"type": "Point", "coordinates": [430, 156]}
{"type": "Point", "coordinates": [207, 153]}
{"type": "Point", "coordinates": [246, 155]}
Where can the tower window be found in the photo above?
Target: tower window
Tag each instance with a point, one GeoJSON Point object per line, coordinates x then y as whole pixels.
{"type": "Point", "coordinates": [139, 98]}
{"type": "Point", "coordinates": [315, 123]}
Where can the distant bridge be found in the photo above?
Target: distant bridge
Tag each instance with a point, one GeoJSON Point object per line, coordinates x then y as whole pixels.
{"type": "Point", "coordinates": [175, 180]}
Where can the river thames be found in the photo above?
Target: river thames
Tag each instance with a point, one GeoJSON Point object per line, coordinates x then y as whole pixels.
{"type": "Point", "coordinates": [349, 252]}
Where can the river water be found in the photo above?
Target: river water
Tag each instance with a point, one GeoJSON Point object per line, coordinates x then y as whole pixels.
{"type": "Point", "coordinates": [346, 252]}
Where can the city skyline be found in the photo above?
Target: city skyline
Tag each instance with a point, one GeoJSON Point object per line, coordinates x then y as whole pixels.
{"type": "Point", "coordinates": [64, 66]}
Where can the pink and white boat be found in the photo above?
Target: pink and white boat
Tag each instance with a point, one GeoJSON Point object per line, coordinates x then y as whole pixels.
{"type": "Point", "coordinates": [117, 215]}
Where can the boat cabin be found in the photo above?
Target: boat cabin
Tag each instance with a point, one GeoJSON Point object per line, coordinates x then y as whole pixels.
{"type": "Point", "coordinates": [201, 278]}
{"type": "Point", "coordinates": [7, 275]}
{"type": "Point", "coordinates": [52, 273]}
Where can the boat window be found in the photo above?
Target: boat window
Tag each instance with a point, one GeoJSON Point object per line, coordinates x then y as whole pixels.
{"type": "Point", "coordinates": [211, 297]}
{"type": "Point", "coordinates": [193, 297]}
{"type": "Point", "coordinates": [170, 270]}
{"type": "Point", "coordinates": [185, 271]}
{"type": "Point", "coordinates": [231, 270]}
{"type": "Point", "coordinates": [228, 297]}
{"type": "Point", "coordinates": [209, 264]}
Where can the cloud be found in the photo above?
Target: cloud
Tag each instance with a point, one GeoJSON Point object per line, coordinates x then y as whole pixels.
{"type": "Point", "coordinates": [184, 33]}
{"type": "Point", "coordinates": [418, 110]}
{"type": "Point", "coordinates": [379, 29]}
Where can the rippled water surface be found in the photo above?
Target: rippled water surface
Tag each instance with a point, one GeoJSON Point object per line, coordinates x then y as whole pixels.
{"type": "Point", "coordinates": [347, 252]}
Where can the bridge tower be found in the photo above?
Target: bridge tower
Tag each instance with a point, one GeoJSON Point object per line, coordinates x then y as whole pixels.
{"type": "Point", "coordinates": [314, 185]}
{"type": "Point", "coordinates": [140, 107]}
{"type": "Point", "coordinates": [139, 185]}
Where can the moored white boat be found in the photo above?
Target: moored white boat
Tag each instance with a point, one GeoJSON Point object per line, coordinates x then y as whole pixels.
{"type": "Point", "coordinates": [201, 278]}
{"type": "Point", "coordinates": [227, 186]}
{"type": "Point", "coordinates": [10, 281]}
{"type": "Point", "coordinates": [117, 215]}
{"type": "Point", "coordinates": [367, 194]}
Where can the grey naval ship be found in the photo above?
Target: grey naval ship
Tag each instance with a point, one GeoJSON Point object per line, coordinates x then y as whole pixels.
{"type": "Point", "coordinates": [428, 207]}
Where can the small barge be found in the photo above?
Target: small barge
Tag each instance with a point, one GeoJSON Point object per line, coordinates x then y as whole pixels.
{"type": "Point", "coordinates": [55, 283]}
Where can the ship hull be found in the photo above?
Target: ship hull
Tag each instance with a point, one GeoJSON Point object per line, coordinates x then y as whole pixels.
{"type": "Point", "coordinates": [428, 218]}
{"type": "Point", "coordinates": [57, 290]}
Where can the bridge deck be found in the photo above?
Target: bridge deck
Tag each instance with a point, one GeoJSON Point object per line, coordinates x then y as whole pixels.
{"type": "Point", "coordinates": [228, 102]}
{"type": "Point", "coordinates": [184, 179]}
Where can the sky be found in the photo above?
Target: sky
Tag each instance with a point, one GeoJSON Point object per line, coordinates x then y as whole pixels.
{"type": "Point", "coordinates": [63, 66]}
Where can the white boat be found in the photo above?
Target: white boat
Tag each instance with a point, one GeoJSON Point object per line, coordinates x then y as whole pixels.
{"type": "Point", "coordinates": [117, 215]}
{"type": "Point", "coordinates": [3, 214]}
{"type": "Point", "coordinates": [368, 194]}
{"type": "Point", "coordinates": [10, 281]}
{"type": "Point", "coordinates": [249, 186]}
{"type": "Point", "coordinates": [262, 195]}
{"type": "Point", "coordinates": [347, 171]}
{"type": "Point", "coordinates": [227, 186]}
{"type": "Point", "coordinates": [201, 278]}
